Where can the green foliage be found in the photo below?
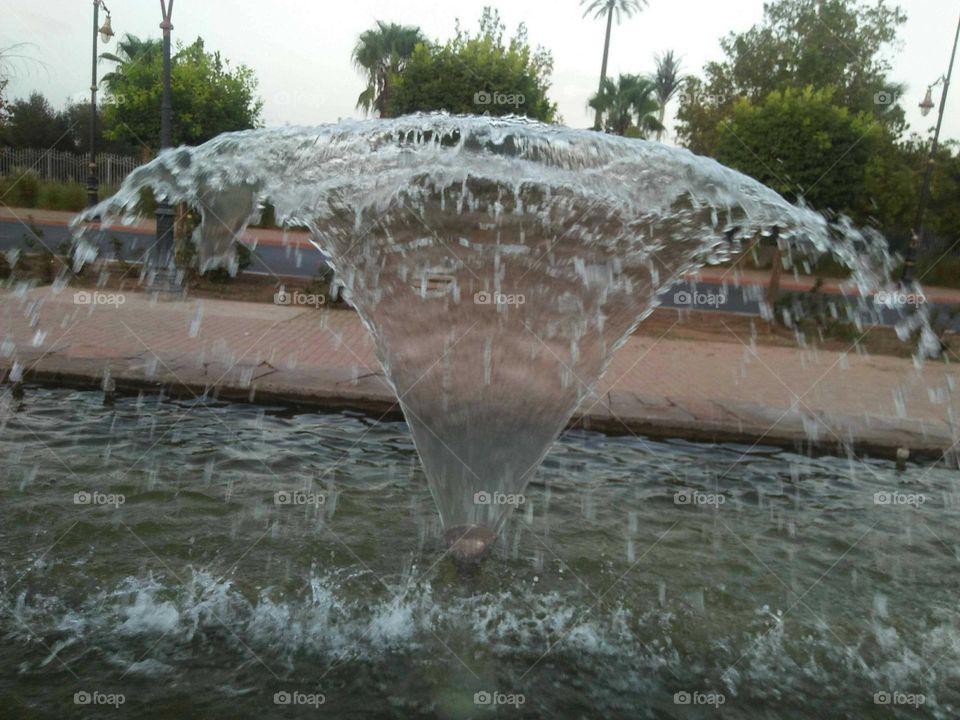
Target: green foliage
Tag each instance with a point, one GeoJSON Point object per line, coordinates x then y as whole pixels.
{"type": "Point", "coordinates": [477, 74]}
{"type": "Point", "coordinates": [629, 106]}
{"type": "Point", "coordinates": [618, 8]}
{"type": "Point", "coordinates": [892, 190]}
{"type": "Point", "coordinates": [801, 144]}
{"type": "Point", "coordinates": [33, 123]}
{"type": "Point", "coordinates": [667, 80]}
{"type": "Point", "coordinates": [610, 10]}
{"type": "Point", "coordinates": [938, 270]}
{"type": "Point", "coordinates": [381, 54]}
{"type": "Point", "coordinates": [26, 190]}
{"type": "Point", "coordinates": [62, 196]}
{"type": "Point", "coordinates": [818, 43]}
{"type": "Point", "coordinates": [208, 96]}
{"type": "Point", "coordinates": [21, 188]}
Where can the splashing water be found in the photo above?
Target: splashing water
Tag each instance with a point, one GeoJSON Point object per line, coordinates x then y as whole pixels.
{"type": "Point", "coordinates": [498, 264]}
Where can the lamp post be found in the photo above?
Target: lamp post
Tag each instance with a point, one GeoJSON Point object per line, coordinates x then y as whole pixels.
{"type": "Point", "coordinates": [165, 213]}
{"type": "Point", "coordinates": [105, 32]}
{"type": "Point", "coordinates": [916, 241]}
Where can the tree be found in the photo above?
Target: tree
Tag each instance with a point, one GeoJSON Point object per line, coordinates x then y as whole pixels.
{"type": "Point", "coordinates": [803, 145]}
{"type": "Point", "coordinates": [76, 118]}
{"type": "Point", "coordinates": [599, 8]}
{"type": "Point", "coordinates": [892, 191]}
{"type": "Point", "coordinates": [474, 74]}
{"type": "Point", "coordinates": [380, 54]}
{"type": "Point", "coordinates": [130, 49]}
{"type": "Point", "coordinates": [9, 58]}
{"type": "Point", "coordinates": [667, 81]}
{"type": "Point", "coordinates": [821, 43]}
{"type": "Point", "coordinates": [208, 96]}
{"type": "Point", "coordinates": [629, 106]}
{"type": "Point", "coordinates": [33, 123]}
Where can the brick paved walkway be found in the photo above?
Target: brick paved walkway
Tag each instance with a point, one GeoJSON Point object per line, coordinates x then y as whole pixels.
{"type": "Point", "coordinates": [701, 390]}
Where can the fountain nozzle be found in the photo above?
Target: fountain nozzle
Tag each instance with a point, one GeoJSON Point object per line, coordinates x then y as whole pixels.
{"type": "Point", "coordinates": [469, 543]}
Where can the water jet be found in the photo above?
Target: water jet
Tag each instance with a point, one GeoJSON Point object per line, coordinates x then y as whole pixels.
{"type": "Point", "coordinates": [498, 264]}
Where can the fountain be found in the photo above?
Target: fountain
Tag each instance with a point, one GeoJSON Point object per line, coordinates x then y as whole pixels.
{"type": "Point", "coordinates": [498, 263]}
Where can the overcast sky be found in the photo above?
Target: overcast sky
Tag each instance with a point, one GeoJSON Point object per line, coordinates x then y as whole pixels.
{"type": "Point", "coordinates": [300, 49]}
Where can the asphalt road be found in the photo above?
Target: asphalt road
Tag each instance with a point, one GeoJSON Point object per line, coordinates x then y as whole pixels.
{"type": "Point", "coordinates": [305, 261]}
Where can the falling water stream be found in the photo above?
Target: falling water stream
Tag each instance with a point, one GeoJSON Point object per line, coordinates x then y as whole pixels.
{"type": "Point", "coordinates": [498, 263]}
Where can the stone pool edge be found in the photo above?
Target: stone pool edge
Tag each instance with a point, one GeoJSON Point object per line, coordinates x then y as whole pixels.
{"type": "Point", "coordinates": [615, 413]}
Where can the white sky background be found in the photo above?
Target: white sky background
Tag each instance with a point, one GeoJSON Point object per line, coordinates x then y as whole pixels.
{"type": "Point", "coordinates": [300, 49]}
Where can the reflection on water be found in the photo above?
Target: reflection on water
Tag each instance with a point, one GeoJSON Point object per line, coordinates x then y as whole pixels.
{"type": "Point", "coordinates": [205, 559]}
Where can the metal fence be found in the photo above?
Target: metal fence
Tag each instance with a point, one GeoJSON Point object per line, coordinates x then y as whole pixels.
{"type": "Point", "coordinates": [66, 166]}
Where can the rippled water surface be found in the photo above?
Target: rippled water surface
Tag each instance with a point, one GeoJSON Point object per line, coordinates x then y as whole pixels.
{"type": "Point", "coordinates": [145, 553]}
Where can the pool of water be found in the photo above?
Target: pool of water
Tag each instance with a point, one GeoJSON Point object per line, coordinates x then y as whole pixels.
{"type": "Point", "coordinates": [175, 559]}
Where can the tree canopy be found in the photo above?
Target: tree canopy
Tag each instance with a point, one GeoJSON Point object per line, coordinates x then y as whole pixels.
{"type": "Point", "coordinates": [381, 54]}
{"type": "Point", "coordinates": [801, 144]}
{"type": "Point", "coordinates": [208, 95]}
{"type": "Point", "coordinates": [628, 106]}
{"type": "Point", "coordinates": [33, 123]}
{"type": "Point", "coordinates": [820, 43]}
{"type": "Point", "coordinates": [478, 74]}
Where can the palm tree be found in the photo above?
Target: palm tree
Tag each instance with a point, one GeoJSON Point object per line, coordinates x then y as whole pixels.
{"type": "Point", "coordinates": [628, 106]}
{"type": "Point", "coordinates": [599, 8]}
{"type": "Point", "coordinates": [130, 49]}
{"type": "Point", "coordinates": [380, 54]}
{"type": "Point", "coordinates": [667, 81]}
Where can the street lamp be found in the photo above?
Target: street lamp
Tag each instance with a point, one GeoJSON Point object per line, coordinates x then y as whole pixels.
{"type": "Point", "coordinates": [165, 213]}
{"type": "Point", "coordinates": [925, 107]}
{"type": "Point", "coordinates": [105, 32]}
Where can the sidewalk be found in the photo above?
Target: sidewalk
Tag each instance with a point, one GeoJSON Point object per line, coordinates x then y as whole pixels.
{"type": "Point", "coordinates": [299, 239]}
{"type": "Point", "coordinates": [712, 391]}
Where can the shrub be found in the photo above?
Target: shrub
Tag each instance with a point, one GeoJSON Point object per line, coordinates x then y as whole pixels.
{"type": "Point", "coordinates": [938, 270]}
{"type": "Point", "coordinates": [62, 196]}
{"type": "Point", "coordinates": [21, 188]}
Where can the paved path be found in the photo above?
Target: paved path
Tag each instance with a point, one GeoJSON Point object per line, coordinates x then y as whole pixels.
{"type": "Point", "coordinates": [725, 391]}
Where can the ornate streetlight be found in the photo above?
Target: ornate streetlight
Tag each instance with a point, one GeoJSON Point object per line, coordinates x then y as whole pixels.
{"type": "Point", "coordinates": [165, 212]}
{"type": "Point", "coordinates": [105, 32]}
{"type": "Point", "coordinates": [925, 107]}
